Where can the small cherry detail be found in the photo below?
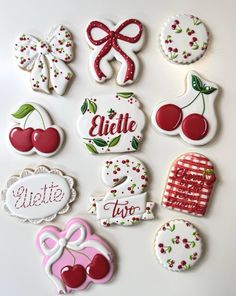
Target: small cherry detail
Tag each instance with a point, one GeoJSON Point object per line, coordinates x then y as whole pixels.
{"type": "Point", "coordinates": [98, 268]}
{"type": "Point", "coordinates": [21, 138]}
{"type": "Point", "coordinates": [195, 126]}
{"type": "Point", "coordinates": [73, 276]}
{"type": "Point", "coordinates": [169, 117]}
{"type": "Point", "coordinates": [46, 141]}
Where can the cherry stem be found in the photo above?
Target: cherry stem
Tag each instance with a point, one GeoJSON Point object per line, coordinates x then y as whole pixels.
{"type": "Point", "coordinates": [81, 253]}
{"type": "Point", "coordinates": [27, 119]}
{"type": "Point", "coordinates": [72, 256]}
{"type": "Point", "coordinates": [191, 101]}
{"type": "Point", "coordinates": [204, 105]}
{"type": "Point", "coordinates": [41, 117]}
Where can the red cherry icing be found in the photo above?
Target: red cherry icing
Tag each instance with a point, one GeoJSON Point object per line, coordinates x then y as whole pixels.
{"type": "Point", "coordinates": [195, 126]}
{"type": "Point", "coordinates": [99, 267]}
{"type": "Point", "coordinates": [73, 276]}
{"type": "Point", "coordinates": [169, 117]}
{"type": "Point", "coordinates": [46, 141]}
{"type": "Point", "coordinates": [21, 139]}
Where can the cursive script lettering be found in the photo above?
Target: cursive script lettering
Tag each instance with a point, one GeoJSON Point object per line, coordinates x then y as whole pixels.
{"type": "Point", "coordinates": [100, 126]}
{"type": "Point", "coordinates": [47, 194]}
{"type": "Point", "coordinates": [121, 209]}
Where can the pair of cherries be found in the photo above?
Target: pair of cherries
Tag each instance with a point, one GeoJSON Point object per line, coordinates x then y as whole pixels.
{"type": "Point", "coordinates": [43, 140]}
{"type": "Point", "coordinates": [75, 276]}
{"type": "Point", "coordinates": [194, 126]}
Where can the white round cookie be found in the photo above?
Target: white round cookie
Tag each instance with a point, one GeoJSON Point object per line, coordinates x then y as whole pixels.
{"type": "Point", "coordinates": [178, 245]}
{"type": "Point", "coordinates": [184, 39]}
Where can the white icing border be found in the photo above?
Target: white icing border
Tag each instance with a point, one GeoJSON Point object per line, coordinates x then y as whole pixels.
{"type": "Point", "coordinates": [40, 170]}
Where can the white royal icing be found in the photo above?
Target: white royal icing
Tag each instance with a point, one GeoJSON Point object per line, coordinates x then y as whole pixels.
{"type": "Point", "coordinates": [111, 123]}
{"type": "Point", "coordinates": [184, 39]}
{"type": "Point", "coordinates": [110, 41]}
{"type": "Point", "coordinates": [39, 195]}
{"type": "Point", "coordinates": [46, 59]}
{"type": "Point", "coordinates": [193, 101]}
{"type": "Point", "coordinates": [178, 245]}
{"type": "Point", "coordinates": [125, 203]}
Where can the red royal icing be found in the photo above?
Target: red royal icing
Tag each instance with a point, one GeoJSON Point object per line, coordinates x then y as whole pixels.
{"type": "Point", "coordinates": [195, 126]}
{"type": "Point", "coordinates": [46, 141]}
{"type": "Point", "coordinates": [110, 41]}
{"type": "Point", "coordinates": [169, 117]}
{"type": "Point", "coordinates": [189, 185]}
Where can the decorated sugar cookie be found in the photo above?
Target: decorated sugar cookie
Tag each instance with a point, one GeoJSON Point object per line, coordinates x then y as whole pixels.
{"type": "Point", "coordinates": [46, 60]}
{"type": "Point", "coordinates": [34, 131]}
{"type": "Point", "coordinates": [178, 245]}
{"type": "Point", "coordinates": [120, 42]}
{"type": "Point", "coordinates": [74, 257]}
{"type": "Point", "coordinates": [189, 184]}
{"type": "Point", "coordinates": [38, 195]}
{"type": "Point", "coordinates": [184, 39]}
{"type": "Point", "coordinates": [111, 123]}
{"type": "Point", "coordinates": [192, 115]}
{"type": "Point", "coordinates": [125, 202]}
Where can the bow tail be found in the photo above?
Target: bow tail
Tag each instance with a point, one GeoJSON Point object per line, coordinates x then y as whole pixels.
{"type": "Point", "coordinates": [101, 66]}
{"type": "Point", "coordinates": [60, 74]}
{"type": "Point", "coordinates": [39, 74]}
{"type": "Point", "coordinates": [127, 72]}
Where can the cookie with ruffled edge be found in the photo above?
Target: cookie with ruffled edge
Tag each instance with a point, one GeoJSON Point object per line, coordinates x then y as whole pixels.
{"type": "Point", "coordinates": [184, 39]}
{"type": "Point", "coordinates": [178, 245]}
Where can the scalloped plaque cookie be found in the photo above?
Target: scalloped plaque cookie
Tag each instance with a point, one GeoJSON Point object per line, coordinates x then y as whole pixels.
{"type": "Point", "coordinates": [192, 116]}
{"type": "Point", "coordinates": [46, 59]}
{"type": "Point", "coordinates": [74, 257]}
{"type": "Point", "coordinates": [34, 131]}
{"type": "Point", "coordinates": [189, 185]}
{"type": "Point", "coordinates": [111, 123]}
{"type": "Point", "coordinates": [178, 245]}
{"type": "Point", "coordinates": [38, 195]}
{"type": "Point", "coordinates": [184, 39]}
{"type": "Point", "coordinates": [125, 202]}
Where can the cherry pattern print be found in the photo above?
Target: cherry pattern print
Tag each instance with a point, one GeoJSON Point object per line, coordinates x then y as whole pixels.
{"type": "Point", "coordinates": [189, 184]}
{"type": "Point", "coordinates": [34, 132]}
{"type": "Point", "coordinates": [46, 60]}
{"type": "Point", "coordinates": [125, 203]}
{"type": "Point", "coordinates": [184, 39]}
{"type": "Point", "coordinates": [177, 247]}
{"type": "Point", "coordinates": [74, 257]}
{"type": "Point", "coordinates": [111, 123]}
{"type": "Point", "coordinates": [119, 42]}
{"type": "Point", "coordinates": [192, 115]}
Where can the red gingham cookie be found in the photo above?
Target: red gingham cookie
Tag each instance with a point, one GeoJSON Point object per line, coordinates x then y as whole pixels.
{"type": "Point", "coordinates": [189, 184]}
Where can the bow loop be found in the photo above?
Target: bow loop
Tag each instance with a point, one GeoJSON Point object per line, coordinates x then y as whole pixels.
{"type": "Point", "coordinates": [126, 24]}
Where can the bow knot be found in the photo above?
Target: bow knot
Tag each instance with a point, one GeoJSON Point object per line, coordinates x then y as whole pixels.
{"type": "Point", "coordinates": [111, 40]}
{"type": "Point", "coordinates": [62, 242]}
{"type": "Point", "coordinates": [46, 59]}
{"type": "Point", "coordinates": [43, 47]}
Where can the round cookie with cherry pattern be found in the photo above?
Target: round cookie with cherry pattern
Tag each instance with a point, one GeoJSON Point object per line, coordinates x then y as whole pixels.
{"type": "Point", "coordinates": [178, 245]}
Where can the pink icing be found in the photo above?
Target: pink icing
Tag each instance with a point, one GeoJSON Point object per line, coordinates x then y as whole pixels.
{"type": "Point", "coordinates": [67, 259]}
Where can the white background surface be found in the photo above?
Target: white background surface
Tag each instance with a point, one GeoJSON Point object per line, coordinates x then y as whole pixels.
{"type": "Point", "coordinates": [138, 272]}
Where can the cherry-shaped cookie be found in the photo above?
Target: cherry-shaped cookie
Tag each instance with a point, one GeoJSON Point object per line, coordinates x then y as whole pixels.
{"type": "Point", "coordinates": [192, 115]}
{"type": "Point", "coordinates": [34, 132]}
{"type": "Point", "coordinates": [74, 257]}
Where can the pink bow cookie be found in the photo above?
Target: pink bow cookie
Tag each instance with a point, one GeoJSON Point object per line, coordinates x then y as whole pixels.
{"type": "Point", "coordinates": [74, 257]}
{"type": "Point", "coordinates": [46, 60]}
